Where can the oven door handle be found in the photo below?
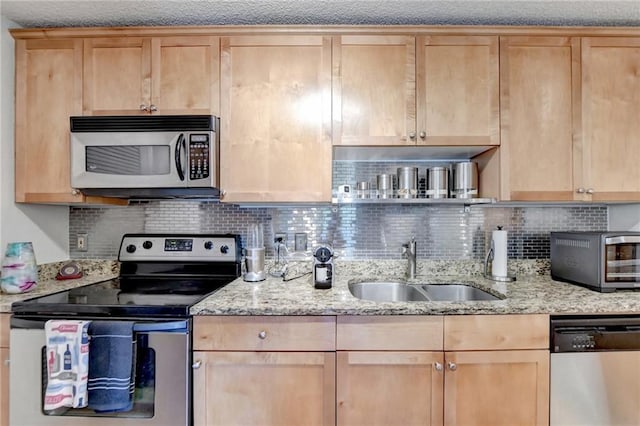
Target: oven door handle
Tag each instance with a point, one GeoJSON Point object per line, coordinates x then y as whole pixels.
{"type": "Point", "coordinates": [165, 327]}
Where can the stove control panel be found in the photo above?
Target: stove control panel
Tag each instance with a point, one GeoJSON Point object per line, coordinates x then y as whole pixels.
{"type": "Point", "coordinates": [194, 248]}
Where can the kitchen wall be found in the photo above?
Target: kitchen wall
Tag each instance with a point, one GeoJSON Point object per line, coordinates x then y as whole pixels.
{"type": "Point", "coordinates": [355, 231]}
{"type": "Point", "coordinates": [46, 226]}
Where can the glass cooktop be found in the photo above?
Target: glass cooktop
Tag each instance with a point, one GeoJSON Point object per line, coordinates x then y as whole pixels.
{"type": "Point", "coordinates": [124, 297]}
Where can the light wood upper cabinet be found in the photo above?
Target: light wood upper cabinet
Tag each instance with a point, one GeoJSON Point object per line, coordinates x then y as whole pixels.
{"type": "Point", "coordinates": [457, 90]}
{"type": "Point", "coordinates": [611, 118]}
{"type": "Point", "coordinates": [276, 119]}
{"type": "Point", "coordinates": [374, 90]}
{"type": "Point", "coordinates": [540, 118]}
{"type": "Point", "coordinates": [405, 90]}
{"type": "Point", "coordinates": [142, 75]}
{"type": "Point", "coordinates": [48, 92]}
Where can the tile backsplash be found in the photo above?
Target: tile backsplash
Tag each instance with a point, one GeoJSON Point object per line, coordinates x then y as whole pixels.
{"type": "Point", "coordinates": [355, 231]}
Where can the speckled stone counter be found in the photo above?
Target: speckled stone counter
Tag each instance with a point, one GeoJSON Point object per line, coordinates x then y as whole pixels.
{"type": "Point", "coordinates": [94, 271]}
{"type": "Point", "coordinates": [533, 292]}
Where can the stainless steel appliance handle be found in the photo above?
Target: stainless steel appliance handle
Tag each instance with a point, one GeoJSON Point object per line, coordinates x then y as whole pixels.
{"type": "Point", "coordinates": [623, 239]}
{"type": "Point", "coordinates": [180, 146]}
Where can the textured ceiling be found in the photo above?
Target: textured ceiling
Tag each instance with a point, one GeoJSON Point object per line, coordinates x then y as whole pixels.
{"type": "Point", "coordinates": [54, 13]}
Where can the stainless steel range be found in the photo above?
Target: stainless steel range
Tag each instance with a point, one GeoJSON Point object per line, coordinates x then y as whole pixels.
{"type": "Point", "coordinates": [161, 277]}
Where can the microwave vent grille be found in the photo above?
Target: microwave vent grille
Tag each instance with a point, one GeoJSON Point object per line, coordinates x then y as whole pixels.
{"type": "Point", "coordinates": [151, 123]}
{"type": "Point", "coordinates": [565, 242]}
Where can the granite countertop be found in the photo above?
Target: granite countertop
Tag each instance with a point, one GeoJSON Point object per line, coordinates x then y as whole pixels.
{"type": "Point", "coordinates": [533, 292]}
{"type": "Point", "coordinates": [94, 271]}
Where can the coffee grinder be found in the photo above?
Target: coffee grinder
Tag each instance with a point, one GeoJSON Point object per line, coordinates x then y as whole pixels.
{"type": "Point", "coordinates": [323, 267]}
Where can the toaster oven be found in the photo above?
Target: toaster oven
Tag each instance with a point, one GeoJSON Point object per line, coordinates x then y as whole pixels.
{"type": "Point", "coordinates": [603, 261]}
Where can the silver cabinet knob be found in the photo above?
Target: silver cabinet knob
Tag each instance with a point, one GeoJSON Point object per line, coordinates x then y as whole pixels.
{"type": "Point", "coordinates": [143, 107]}
{"type": "Point", "coordinates": [196, 364]}
{"type": "Point", "coordinates": [222, 194]}
{"type": "Point", "coordinates": [262, 335]}
{"type": "Point", "coordinates": [412, 135]}
{"type": "Point", "coordinates": [75, 192]}
{"type": "Point", "coordinates": [590, 191]}
{"type": "Point", "coordinates": [423, 134]}
{"type": "Point", "coordinates": [452, 366]}
{"type": "Point", "coordinates": [580, 190]}
{"type": "Point", "coordinates": [153, 108]}
{"type": "Point", "coordinates": [437, 366]}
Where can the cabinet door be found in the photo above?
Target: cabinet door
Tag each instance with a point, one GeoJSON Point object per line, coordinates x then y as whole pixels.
{"type": "Point", "coordinates": [276, 118]}
{"type": "Point", "coordinates": [539, 112]}
{"type": "Point", "coordinates": [374, 90]}
{"type": "Point", "coordinates": [611, 122]}
{"type": "Point", "coordinates": [497, 388]}
{"type": "Point", "coordinates": [389, 388]}
{"type": "Point", "coordinates": [48, 91]}
{"type": "Point", "coordinates": [458, 98]}
{"type": "Point", "coordinates": [4, 370]}
{"type": "Point", "coordinates": [117, 76]}
{"type": "Point", "coordinates": [264, 388]}
{"type": "Point", "coordinates": [185, 75]}
{"type": "Point", "coordinates": [4, 387]}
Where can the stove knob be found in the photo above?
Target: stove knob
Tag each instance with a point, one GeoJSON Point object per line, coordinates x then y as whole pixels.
{"type": "Point", "coordinates": [131, 248]}
{"type": "Point", "coordinates": [208, 245]}
{"type": "Point", "coordinates": [224, 249]}
{"type": "Point", "coordinates": [147, 244]}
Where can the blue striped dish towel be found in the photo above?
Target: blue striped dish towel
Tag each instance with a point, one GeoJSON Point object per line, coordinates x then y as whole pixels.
{"type": "Point", "coordinates": [67, 345]}
{"type": "Point", "coordinates": [111, 366]}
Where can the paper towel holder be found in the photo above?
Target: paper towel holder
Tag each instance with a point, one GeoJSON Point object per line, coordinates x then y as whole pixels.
{"type": "Point", "coordinates": [489, 259]}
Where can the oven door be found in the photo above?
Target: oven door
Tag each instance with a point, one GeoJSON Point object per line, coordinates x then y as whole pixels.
{"type": "Point", "coordinates": [129, 159]}
{"type": "Point", "coordinates": [163, 378]}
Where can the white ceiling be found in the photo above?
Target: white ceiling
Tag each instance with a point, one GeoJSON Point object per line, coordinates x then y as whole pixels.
{"type": "Point", "coordinates": [54, 13]}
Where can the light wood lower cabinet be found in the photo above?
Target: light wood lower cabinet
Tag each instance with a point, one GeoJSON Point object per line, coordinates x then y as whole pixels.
{"type": "Point", "coordinates": [497, 388]}
{"type": "Point", "coordinates": [372, 370]}
{"type": "Point", "coordinates": [389, 388]}
{"type": "Point", "coordinates": [264, 388]}
{"type": "Point", "coordinates": [4, 370]}
{"type": "Point", "coordinates": [250, 373]}
{"type": "Point", "coordinates": [506, 383]}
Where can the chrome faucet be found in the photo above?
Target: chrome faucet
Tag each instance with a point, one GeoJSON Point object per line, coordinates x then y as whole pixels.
{"type": "Point", "coordinates": [409, 250]}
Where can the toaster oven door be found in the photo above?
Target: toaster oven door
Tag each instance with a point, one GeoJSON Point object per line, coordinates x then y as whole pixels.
{"type": "Point", "coordinates": [622, 261]}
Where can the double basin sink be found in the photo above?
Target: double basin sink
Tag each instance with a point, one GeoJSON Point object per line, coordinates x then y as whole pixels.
{"type": "Point", "coordinates": [397, 291]}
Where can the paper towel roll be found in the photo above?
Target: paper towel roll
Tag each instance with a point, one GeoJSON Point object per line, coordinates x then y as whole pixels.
{"type": "Point", "coordinates": [499, 265]}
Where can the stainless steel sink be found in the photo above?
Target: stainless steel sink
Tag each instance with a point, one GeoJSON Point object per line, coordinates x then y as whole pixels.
{"type": "Point", "coordinates": [456, 292]}
{"type": "Point", "coordinates": [387, 292]}
{"type": "Point", "coordinates": [396, 291]}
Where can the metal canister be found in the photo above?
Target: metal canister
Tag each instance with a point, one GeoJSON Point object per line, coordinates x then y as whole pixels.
{"type": "Point", "coordinates": [362, 190]}
{"type": "Point", "coordinates": [437, 182]}
{"type": "Point", "coordinates": [465, 180]}
{"type": "Point", "coordinates": [385, 186]}
{"type": "Point", "coordinates": [407, 182]}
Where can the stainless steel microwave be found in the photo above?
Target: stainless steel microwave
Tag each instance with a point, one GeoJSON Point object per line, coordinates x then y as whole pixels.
{"type": "Point", "coordinates": [603, 261]}
{"type": "Point", "coordinates": [157, 156]}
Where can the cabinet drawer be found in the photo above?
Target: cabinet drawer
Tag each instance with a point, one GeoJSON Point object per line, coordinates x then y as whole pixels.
{"type": "Point", "coordinates": [4, 330]}
{"type": "Point", "coordinates": [489, 332]}
{"type": "Point", "coordinates": [225, 333]}
{"type": "Point", "coordinates": [398, 333]}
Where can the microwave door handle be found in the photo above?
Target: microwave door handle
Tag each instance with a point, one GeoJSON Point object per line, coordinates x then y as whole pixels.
{"type": "Point", "coordinates": [178, 155]}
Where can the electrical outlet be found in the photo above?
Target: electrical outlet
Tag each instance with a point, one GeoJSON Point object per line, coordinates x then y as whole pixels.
{"type": "Point", "coordinates": [82, 243]}
{"type": "Point", "coordinates": [280, 235]}
{"type": "Point", "coordinates": [301, 241]}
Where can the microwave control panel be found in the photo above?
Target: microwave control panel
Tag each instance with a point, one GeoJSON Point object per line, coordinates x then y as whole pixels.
{"type": "Point", "coordinates": [199, 153]}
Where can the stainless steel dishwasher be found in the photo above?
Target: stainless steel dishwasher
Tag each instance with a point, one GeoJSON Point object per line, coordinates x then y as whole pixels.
{"type": "Point", "coordinates": [595, 370]}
